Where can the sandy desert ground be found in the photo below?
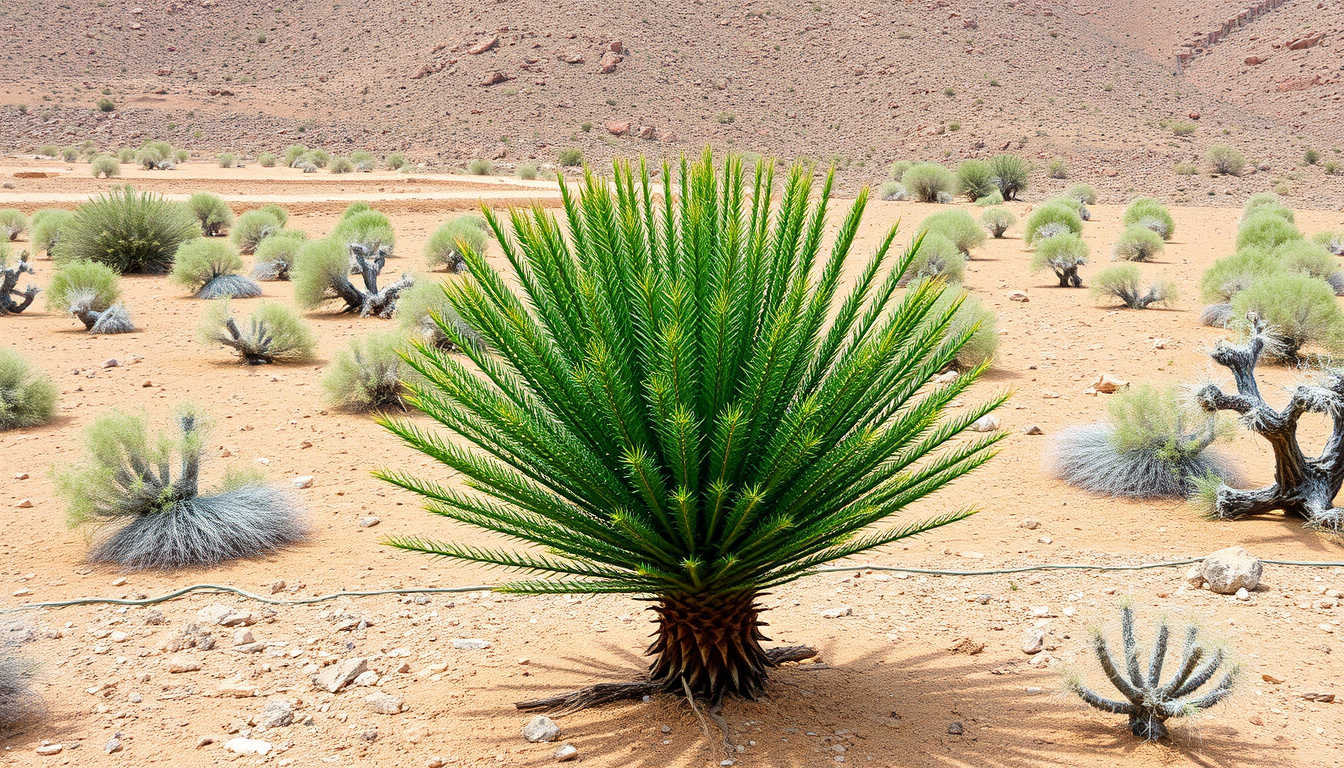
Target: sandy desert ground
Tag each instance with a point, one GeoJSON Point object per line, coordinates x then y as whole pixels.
{"type": "Point", "coordinates": [887, 685]}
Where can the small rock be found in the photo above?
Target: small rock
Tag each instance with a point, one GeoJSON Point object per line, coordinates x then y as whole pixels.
{"type": "Point", "coordinates": [146, 383]}
{"type": "Point", "coordinates": [495, 78]}
{"type": "Point", "coordinates": [1195, 576]}
{"type": "Point", "coordinates": [1160, 343]}
{"type": "Point", "coordinates": [967, 646]}
{"type": "Point", "coordinates": [368, 521]}
{"type": "Point", "coordinates": [1272, 680]}
{"type": "Point", "coordinates": [1029, 524]}
{"type": "Point", "coordinates": [25, 504]}
{"type": "Point", "coordinates": [277, 586]}
{"type": "Point", "coordinates": [835, 613]}
{"type": "Point", "coordinates": [277, 713]}
{"type": "Point", "coordinates": [566, 752]}
{"type": "Point", "coordinates": [21, 476]}
{"type": "Point", "coordinates": [1019, 296]}
{"type": "Point", "coordinates": [366, 679]}
{"type": "Point", "coordinates": [111, 362]}
{"type": "Point", "coordinates": [248, 747]}
{"type": "Point", "coordinates": [1243, 595]}
{"type": "Point", "coordinates": [1107, 384]}
{"type": "Point", "coordinates": [608, 62]}
{"type": "Point", "coordinates": [956, 729]}
{"type": "Point", "coordinates": [982, 599]}
{"type": "Point", "coordinates": [384, 704]}
{"type": "Point", "coordinates": [483, 46]}
{"type": "Point", "coordinates": [1324, 698]}
{"type": "Point", "coordinates": [113, 745]}
{"type": "Point", "coordinates": [50, 749]}
{"type": "Point", "coordinates": [237, 690]}
{"type": "Point", "coordinates": [617, 127]}
{"type": "Point", "coordinates": [243, 637]}
{"type": "Point", "coordinates": [470, 644]}
{"type": "Point", "coordinates": [1033, 641]}
{"type": "Point", "coordinates": [1032, 429]}
{"type": "Point", "coordinates": [987, 423]}
{"type": "Point", "coordinates": [337, 676]}
{"type": "Point", "coordinates": [180, 664]}
{"type": "Point", "coordinates": [303, 481]}
{"type": "Point", "coordinates": [1228, 570]}
{"type": "Point", "coordinates": [541, 728]}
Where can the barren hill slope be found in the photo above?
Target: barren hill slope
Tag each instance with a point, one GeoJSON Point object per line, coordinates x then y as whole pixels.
{"type": "Point", "coordinates": [861, 83]}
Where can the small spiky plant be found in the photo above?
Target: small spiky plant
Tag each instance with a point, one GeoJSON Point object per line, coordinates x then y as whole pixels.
{"type": "Point", "coordinates": [1063, 254]}
{"type": "Point", "coordinates": [957, 226]}
{"type": "Point", "coordinates": [12, 223]}
{"type": "Point", "coordinates": [210, 268]}
{"type": "Point", "coordinates": [1148, 700]}
{"type": "Point", "coordinates": [682, 402]}
{"type": "Point", "coordinates": [1011, 174]}
{"type": "Point", "coordinates": [253, 227]}
{"type": "Point", "coordinates": [145, 517]}
{"type": "Point", "coordinates": [424, 309]}
{"type": "Point", "coordinates": [321, 272]}
{"type": "Point", "coordinates": [368, 375]}
{"type": "Point", "coordinates": [1151, 215]}
{"type": "Point", "coordinates": [19, 703]}
{"type": "Point", "coordinates": [444, 248]}
{"type": "Point", "coordinates": [1122, 283]}
{"type": "Point", "coordinates": [1152, 445]}
{"type": "Point", "coordinates": [276, 254]}
{"type": "Point", "coordinates": [89, 291]}
{"type": "Point", "coordinates": [935, 256]}
{"type": "Point", "coordinates": [1051, 220]}
{"type": "Point", "coordinates": [27, 396]}
{"type": "Point", "coordinates": [49, 228]}
{"type": "Point", "coordinates": [272, 334]}
{"type": "Point", "coordinates": [1137, 243]}
{"type": "Point", "coordinates": [128, 231]}
{"type": "Point", "coordinates": [212, 212]}
{"type": "Point", "coordinates": [12, 300]}
{"type": "Point", "coordinates": [997, 220]}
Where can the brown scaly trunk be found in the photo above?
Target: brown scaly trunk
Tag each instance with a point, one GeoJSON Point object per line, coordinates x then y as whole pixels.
{"type": "Point", "coordinates": [710, 644]}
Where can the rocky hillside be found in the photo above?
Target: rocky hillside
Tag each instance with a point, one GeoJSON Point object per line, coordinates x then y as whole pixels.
{"type": "Point", "coordinates": [857, 83]}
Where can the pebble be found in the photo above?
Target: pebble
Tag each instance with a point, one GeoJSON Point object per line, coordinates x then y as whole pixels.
{"type": "Point", "coordinates": [180, 664]}
{"type": "Point", "coordinates": [956, 729]}
{"type": "Point", "coordinates": [113, 745]}
{"type": "Point", "coordinates": [1243, 595]}
{"type": "Point", "coordinates": [987, 423]}
{"type": "Point", "coordinates": [566, 752]}
{"type": "Point", "coordinates": [1033, 641]}
{"type": "Point", "coordinates": [21, 476]}
{"type": "Point", "coordinates": [835, 613]}
{"type": "Point", "coordinates": [368, 521]}
{"type": "Point", "coordinates": [277, 713]}
{"type": "Point", "coordinates": [25, 504]}
{"type": "Point", "coordinates": [248, 747]}
{"type": "Point", "coordinates": [384, 704]}
{"type": "Point", "coordinates": [1020, 296]}
{"type": "Point", "coordinates": [111, 362]}
{"type": "Point", "coordinates": [470, 644]}
{"type": "Point", "coordinates": [1029, 524]}
{"type": "Point", "coordinates": [50, 749]}
{"type": "Point", "coordinates": [540, 729]}
{"type": "Point", "coordinates": [1032, 429]}
{"type": "Point", "coordinates": [366, 679]}
{"type": "Point", "coordinates": [303, 481]}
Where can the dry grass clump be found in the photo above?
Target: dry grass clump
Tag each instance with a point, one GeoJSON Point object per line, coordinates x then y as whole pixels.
{"type": "Point", "coordinates": [27, 395]}
{"type": "Point", "coordinates": [19, 703]}
{"type": "Point", "coordinates": [996, 221]}
{"type": "Point", "coordinates": [211, 269]}
{"type": "Point", "coordinates": [49, 225]}
{"type": "Point", "coordinates": [975, 179]}
{"type": "Point", "coordinates": [12, 223]}
{"type": "Point", "coordinates": [1122, 283]}
{"type": "Point", "coordinates": [1011, 175]}
{"type": "Point", "coordinates": [937, 257]}
{"type": "Point", "coordinates": [272, 334]}
{"type": "Point", "coordinates": [1226, 160]}
{"type": "Point", "coordinates": [368, 375]}
{"type": "Point", "coordinates": [212, 212]}
{"type": "Point", "coordinates": [89, 291]}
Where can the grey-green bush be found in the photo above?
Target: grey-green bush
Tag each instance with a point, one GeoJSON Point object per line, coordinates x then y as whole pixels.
{"type": "Point", "coordinates": [1331, 240]}
{"type": "Point", "coordinates": [371, 229]}
{"type": "Point", "coordinates": [1262, 200]}
{"type": "Point", "coordinates": [1300, 311]}
{"type": "Point", "coordinates": [266, 160]}
{"type": "Point", "coordinates": [341, 165]}
{"type": "Point", "coordinates": [211, 212]}
{"type": "Point", "coordinates": [993, 198]}
{"type": "Point", "coordinates": [362, 161]}
{"type": "Point", "coordinates": [1122, 283]}
{"type": "Point", "coordinates": [318, 157]}
{"type": "Point", "coordinates": [898, 169]}
{"type": "Point", "coordinates": [971, 317]}
{"type": "Point", "coordinates": [320, 275]}
{"type": "Point", "coordinates": [1147, 212]}
{"type": "Point", "coordinates": [271, 334]}
{"type": "Point", "coordinates": [368, 375]}
{"type": "Point", "coordinates": [891, 190]}
{"type": "Point", "coordinates": [253, 227]}
{"type": "Point", "coordinates": [957, 226]}
{"type": "Point", "coordinates": [1058, 168]}
{"type": "Point", "coordinates": [444, 247]}
{"type": "Point", "coordinates": [276, 254]}
{"type": "Point", "coordinates": [975, 179]}
{"type": "Point", "coordinates": [571, 157]}
{"type": "Point", "coordinates": [49, 228]}
{"type": "Point", "coordinates": [1306, 258]}
{"type": "Point", "coordinates": [937, 257]}
{"type": "Point", "coordinates": [12, 300]}
{"type": "Point", "coordinates": [1265, 229]}
{"type": "Point", "coordinates": [1226, 160]}
{"type": "Point", "coordinates": [19, 702]}
{"type": "Point", "coordinates": [12, 223]}
{"type": "Point", "coordinates": [1083, 193]}
{"type": "Point", "coordinates": [480, 167]}
{"type": "Point", "coordinates": [127, 231]}
{"type": "Point", "coordinates": [226, 159]}
{"type": "Point", "coordinates": [1063, 254]}
{"type": "Point", "coordinates": [996, 221]}
{"type": "Point", "coordinates": [144, 516]}
{"type": "Point", "coordinates": [395, 161]}
{"type": "Point", "coordinates": [1011, 175]}
{"type": "Point", "coordinates": [526, 171]}
{"type": "Point", "coordinates": [89, 291]}
{"type": "Point", "coordinates": [210, 268]}
{"type": "Point", "coordinates": [1051, 220]}
{"type": "Point", "coordinates": [105, 166]}
{"type": "Point", "coordinates": [929, 183]}
{"type": "Point", "coordinates": [155, 156]}
{"type": "Point", "coordinates": [294, 153]}
{"type": "Point", "coordinates": [1137, 243]}
{"type": "Point", "coordinates": [27, 395]}
{"type": "Point", "coordinates": [416, 312]}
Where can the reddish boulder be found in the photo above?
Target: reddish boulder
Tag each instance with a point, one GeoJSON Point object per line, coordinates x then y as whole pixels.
{"type": "Point", "coordinates": [483, 45]}
{"type": "Point", "coordinates": [609, 62]}
{"type": "Point", "coordinates": [1306, 41]}
{"type": "Point", "coordinates": [646, 132]}
{"type": "Point", "coordinates": [1253, 61]}
{"type": "Point", "coordinates": [617, 127]}
{"type": "Point", "coordinates": [495, 78]}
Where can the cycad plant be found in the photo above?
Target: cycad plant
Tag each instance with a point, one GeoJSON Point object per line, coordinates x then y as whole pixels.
{"type": "Point", "coordinates": [147, 516]}
{"type": "Point", "coordinates": [680, 403]}
{"type": "Point", "coordinates": [89, 291]}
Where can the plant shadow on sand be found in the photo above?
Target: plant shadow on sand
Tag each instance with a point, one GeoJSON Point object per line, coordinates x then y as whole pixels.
{"type": "Point", "coordinates": [892, 706]}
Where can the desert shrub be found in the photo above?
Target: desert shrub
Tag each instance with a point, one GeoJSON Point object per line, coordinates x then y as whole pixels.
{"type": "Point", "coordinates": [1186, 169]}
{"type": "Point", "coordinates": [395, 161]}
{"type": "Point", "coordinates": [253, 227]}
{"type": "Point", "coordinates": [367, 375]}
{"type": "Point", "coordinates": [1265, 229]}
{"type": "Point", "coordinates": [127, 231]}
{"type": "Point", "coordinates": [937, 257]}
{"type": "Point", "coordinates": [1011, 174]}
{"type": "Point", "coordinates": [280, 214]}
{"type": "Point", "coordinates": [226, 159]}
{"type": "Point", "coordinates": [1300, 311]}
{"type": "Point", "coordinates": [416, 313]}
{"type": "Point", "coordinates": [320, 275]}
{"type": "Point", "coordinates": [444, 247]}
{"type": "Point", "coordinates": [1226, 160]}
{"type": "Point", "coordinates": [69, 154]}
{"type": "Point", "coordinates": [155, 156]}
{"type": "Point", "coordinates": [362, 161]}
{"type": "Point", "coordinates": [1333, 168]}
{"type": "Point", "coordinates": [929, 183]}
{"type": "Point", "coordinates": [974, 179]}
{"type": "Point", "coordinates": [276, 254]}
{"type": "Point", "coordinates": [1230, 276]}
{"type": "Point", "coordinates": [1137, 243]}
{"type": "Point", "coordinates": [210, 268]}
{"type": "Point", "coordinates": [1304, 258]}
{"type": "Point", "coordinates": [181, 156]}
{"type": "Point", "coordinates": [1074, 204]}
{"type": "Point", "coordinates": [271, 334]}
{"type": "Point", "coordinates": [1152, 445]}
{"type": "Point", "coordinates": [359, 206]}
{"type": "Point", "coordinates": [266, 160]}
{"type": "Point", "coordinates": [12, 223]}
{"type": "Point", "coordinates": [1058, 168]}
{"type": "Point", "coordinates": [126, 155]}
{"type": "Point", "coordinates": [971, 317]}
{"type": "Point", "coordinates": [1063, 254]}
{"type": "Point", "coordinates": [1149, 213]}
{"type": "Point", "coordinates": [480, 167]}
{"type": "Point", "coordinates": [571, 157]}
{"type": "Point", "coordinates": [319, 157]}
{"type": "Point", "coordinates": [19, 702]}
{"type": "Point", "coordinates": [898, 169]}
{"type": "Point", "coordinates": [1270, 209]}
{"type": "Point", "coordinates": [371, 229]}
{"type": "Point", "coordinates": [89, 291]}
{"type": "Point", "coordinates": [997, 221]}
{"type": "Point", "coordinates": [1122, 283]}
{"type": "Point", "coordinates": [526, 171]}
{"type": "Point", "coordinates": [891, 190]}
{"type": "Point", "coordinates": [1083, 193]}
{"type": "Point", "coordinates": [1311, 157]}
{"type": "Point", "coordinates": [294, 153]}
{"type": "Point", "coordinates": [48, 150]}
{"type": "Point", "coordinates": [27, 395]}
{"type": "Point", "coordinates": [957, 226]}
{"type": "Point", "coordinates": [1182, 127]}
{"type": "Point", "coordinates": [341, 165]}
{"type": "Point", "coordinates": [144, 517]}
{"type": "Point", "coordinates": [105, 166]}
{"type": "Point", "coordinates": [49, 228]}
{"type": "Point", "coordinates": [211, 212]}
{"type": "Point", "coordinates": [1052, 220]}
{"type": "Point", "coordinates": [1331, 240]}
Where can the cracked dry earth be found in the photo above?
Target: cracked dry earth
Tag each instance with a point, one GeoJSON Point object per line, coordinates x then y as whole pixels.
{"type": "Point", "coordinates": [902, 658]}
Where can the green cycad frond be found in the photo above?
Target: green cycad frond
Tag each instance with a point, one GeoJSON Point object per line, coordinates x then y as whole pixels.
{"type": "Point", "coordinates": [683, 393]}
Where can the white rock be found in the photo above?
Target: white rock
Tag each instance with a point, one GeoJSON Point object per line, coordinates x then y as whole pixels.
{"type": "Point", "coordinates": [566, 752]}
{"type": "Point", "coordinates": [303, 481]}
{"type": "Point", "coordinates": [835, 613]}
{"type": "Point", "coordinates": [384, 704]}
{"type": "Point", "coordinates": [1195, 576]}
{"type": "Point", "coordinates": [470, 644]}
{"type": "Point", "coordinates": [1029, 524]}
{"type": "Point", "coordinates": [1243, 595]}
{"type": "Point", "coordinates": [248, 747]}
{"type": "Point", "coordinates": [50, 749]}
{"type": "Point", "coordinates": [1033, 641]}
{"type": "Point", "coordinates": [366, 679]}
{"type": "Point", "coordinates": [541, 728]}
{"type": "Point", "coordinates": [1107, 384]}
{"type": "Point", "coordinates": [1228, 570]}
{"type": "Point", "coordinates": [368, 521]}
{"type": "Point", "coordinates": [337, 676]}
{"type": "Point", "coordinates": [180, 664]}
{"type": "Point", "coordinates": [987, 423]}
{"type": "Point", "coordinates": [25, 504]}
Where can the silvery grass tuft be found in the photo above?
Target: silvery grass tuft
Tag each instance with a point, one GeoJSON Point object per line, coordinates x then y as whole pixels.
{"type": "Point", "coordinates": [421, 310]}
{"type": "Point", "coordinates": [276, 254]}
{"type": "Point", "coordinates": [12, 300]}
{"type": "Point", "coordinates": [19, 703]}
{"type": "Point", "coordinates": [321, 272]}
{"type": "Point", "coordinates": [368, 375]}
{"type": "Point", "coordinates": [1122, 283]}
{"type": "Point", "coordinates": [1063, 254]}
{"type": "Point", "coordinates": [27, 396]}
{"type": "Point", "coordinates": [272, 334]}
{"type": "Point", "coordinates": [12, 223]}
{"type": "Point", "coordinates": [935, 256]}
{"type": "Point", "coordinates": [210, 268]}
{"type": "Point", "coordinates": [997, 220]}
{"type": "Point", "coordinates": [1152, 445]}
{"type": "Point", "coordinates": [444, 247]}
{"type": "Point", "coordinates": [1147, 698]}
{"type": "Point", "coordinates": [957, 226]}
{"type": "Point", "coordinates": [141, 494]}
{"type": "Point", "coordinates": [680, 402]}
{"type": "Point", "coordinates": [89, 291]}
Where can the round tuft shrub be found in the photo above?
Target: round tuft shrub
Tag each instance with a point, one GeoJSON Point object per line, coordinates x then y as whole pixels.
{"type": "Point", "coordinates": [1063, 254]}
{"type": "Point", "coordinates": [444, 247]}
{"type": "Point", "coordinates": [975, 179]}
{"type": "Point", "coordinates": [105, 166]}
{"type": "Point", "coordinates": [1226, 160]}
{"type": "Point", "coordinates": [928, 182]}
{"type": "Point", "coordinates": [266, 160]}
{"type": "Point", "coordinates": [1051, 220]}
{"type": "Point", "coordinates": [1011, 174]}
{"type": "Point", "coordinates": [272, 334]}
{"type": "Point", "coordinates": [253, 227]}
{"type": "Point", "coordinates": [1301, 312]}
{"type": "Point", "coordinates": [12, 223]}
{"type": "Point", "coordinates": [1265, 229]}
{"type": "Point", "coordinates": [1149, 213]}
{"type": "Point", "coordinates": [957, 226]}
{"type": "Point", "coordinates": [1137, 243]}
{"type": "Point", "coordinates": [341, 165]}
{"type": "Point", "coordinates": [211, 269]}
{"type": "Point", "coordinates": [368, 375]}
{"type": "Point", "coordinates": [48, 229]}
{"type": "Point", "coordinates": [27, 396]}
{"type": "Point", "coordinates": [212, 212]}
{"type": "Point", "coordinates": [1083, 193]}
{"type": "Point", "coordinates": [937, 257]}
{"type": "Point", "coordinates": [276, 254]}
{"type": "Point", "coordinates": [997, 221]}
